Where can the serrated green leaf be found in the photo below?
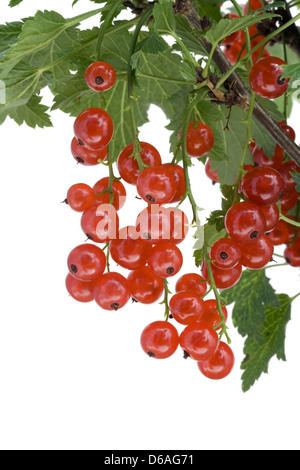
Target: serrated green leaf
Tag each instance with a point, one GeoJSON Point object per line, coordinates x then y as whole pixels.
{"type": "Point", "coordinates": [9, 34]}
{"type": "Point", "coordinates": [152, 44]}
{"type": "Point", "coordinates": [188, 36]}
{"type": "Point", "coordinates": [14, 3]}
{"type": "Point", "coordinates": [210, 8]}
{"type": "Point", "coordinates": [33, 113]}
{"type": "Point", "coordinates": [164, 17]}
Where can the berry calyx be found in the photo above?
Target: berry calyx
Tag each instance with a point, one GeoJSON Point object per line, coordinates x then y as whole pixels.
{"type": "Point", "coordinates": [266, 77]}
{"type": "Point", "coordinates": [244, 222]}
{"type": "Point", "coordinates": [165, 260]}
{"type": "Point", "coordinates": [225, 253]}
{"type": "Point", "coordinates": [160, 340]}
{"type": "Point", "coordinates": [100, 76]}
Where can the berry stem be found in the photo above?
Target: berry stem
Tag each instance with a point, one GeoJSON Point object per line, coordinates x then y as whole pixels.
{"type": "Point", "coordinates": [166, 299]}
{"type": "Point", "coordinates": [246, 30]}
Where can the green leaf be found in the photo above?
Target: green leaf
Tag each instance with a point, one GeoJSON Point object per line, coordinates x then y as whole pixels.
{"type": "Point", "coordinates": [210, 8]}
{"type": "Point", "coordinates": [188, 36]}
{"type": "Point", "coordinates": [153, 44]}
{"type": "Point", "coordinates": [33, 113]}
{"type": "Point", "coordinates": [9, 34]}
{"type": "Point", "coordinates": [296, 177]}
{"type": "Point", "coordinates": [260, 350]}
{"type": "Point", "coordinates": [211, 235]}
{"type": "Point", "coordinates": [164, 17]}
{"type": "Point", "coordinates": [14, 3]}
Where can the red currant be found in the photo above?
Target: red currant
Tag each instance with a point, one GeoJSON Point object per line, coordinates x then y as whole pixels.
{"type": "Point", "coordinates": [191, 282]}
{"type": "Point", "coordinates": [82, 291]}
{"type": "Point", "coordinates": [94, 128]}
{"type": "Point", "coordinates": [286, 170]}
{"type": "Point", "coordinates": [100, 76]}
{"type": "Point", "coordinates": [261, 159]}
{"type": "Point", "coordinates": [266, 77]}
{"type": "Point", "coordinates": [234, 37]}
{"type": "Point", "coordinates": [224, 278]}
{"type": "Point", "coordinates": [271, 213]}
{"type": "Point", "coordinates": [80, 197]}
{"type": "Point", "coordinates": [288, 200]}
{"type": "Point", "coordinates": [262, 185]}
{"type": "Point", "coordinates": [100, 223]}
{"type": "Point", "coordinates": [279, 234]}
{"type": "Point", "coordinates": [160, 339]}
{"type": "Point", "coordinates": [85, 156]}
{"type": "Point", "coordinates": [225, 253]}
{"type": "Point", "coordinates": [199, 340]}
{"type": "Point", "coordinates": [245, 222]}
{"type": "Point", "coordinates": [128, 166]}
{"type": "Point", "coordinates": [144, 286]}
{"type": "Point", "coordinates": [211, 174]}
{"type": "Point", "coordinates": [87, 262]}
{"type": "Point", "coordinates": [165, 260]}
{"type": "Point", "coordinates": [200, 139]}
{"type": "Point", "coordinates": [178, 174]}
{"type": "Point", "coordinates": [252, 5]}
{"type": "Point", "coordinates": [102, 194]}
{"type": "Point", "coordinates": [211, 315]}
{"type": "Point", "coordinates": [156, 185]}
{"type": "Point", "coordinates": [257, 254]}
{"type": "Point", "coordinates": [111, 291]}
{"type": "Point", "coordinates": [186, 307]}
{"type": "Point", "coordinates": [220, 363]}
{"type": "Point", "coordinates": [292, 253]}
{"type": "Point", "coordinates": [288, 130]}
{"type": "Point", "coordinates": [130, 253]}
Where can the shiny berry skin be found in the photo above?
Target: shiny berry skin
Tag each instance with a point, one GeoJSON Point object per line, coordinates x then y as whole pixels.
{"type": "Point", "coordinates": [224, 278]}
{"type": "Point", "coordinates": [262, 185]}
{"type": "Point", "coordinates": [100, 223]}
{"type": "Point", "coordinates": [128, 166]}
{"type": "Point", "coordinates": [111, 291]}
{"type": "Point", "coordinates": [160, 339]}
{"type": "Point", "coordinates": [186, 307]}
{"type": "Point", "coordinates": [279, 234]}
{"type": "Point", "coordinates": [266, 77]}
{"type": "Point", "coordinates": [211, 315]}
{"type": "Point", "coordinates": [100, 76]}
{"type": "Point", "coordinates": [156, 185]}
{"type": "Point", "coordinates": [292, 254]}
{"type": "Point", "coordinates": [80, 197]}
{"type": "Point", "coordinates": [127, 251]}
{"type": "Point", "coordinates": [191, 282]}
{"type": "Point", "coordinates": [288, 130]}
{"type": "Point", "coordinates": [245, 222]}
{"type": "Point", "coordinates": [286, 171]}
{"type": "Point", "coordinates": [225, 253]}
{"type": "Point", "coordinates": [158, 224]}
{"type": "Point", "coordinates": [211, 174]}
{"type": "Point", "coordinates": [144, 286]}
{"type": "Point", "coordinates": [258, 253]}
{"type": "Point", "coordinates": [178, 174]}
{"type": "Point", "coordinates": [200, 139]}
{"type": "Point", "coordinates": [199, 340]}
{"type": "Point", "coordinates": [261, 159]}
{"type": "Point", "coordinates": [85, 156]}
{"type": "Point", "coordinates": [87, 262]}
{"type": "Point", "coordinates": [94, 128]}
{"type": "Point", "coordinates": [82, 291]}
{"type": "Point", "coordinates": [288, 200]}
{"type": "Point", "coordinates": [220, 364]}
{"type": "Point", "coordinates": [252, 5]}
{"type": "Point", "coordinates": [119, 193]}
{"type": "Point", "coordinates": [271, 213]}
{"type": "Point", "coordinates": [165, 260]}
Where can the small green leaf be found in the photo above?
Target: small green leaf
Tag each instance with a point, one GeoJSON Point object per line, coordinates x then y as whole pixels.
{"type": "Point", "coordinates": [164, 17]}
{"type": "Point", "coordinates": [153, 44]}
{"type": "Point", "coordinates": [14, 3]}
{"type": "Point", "coordinates": [33, 113]}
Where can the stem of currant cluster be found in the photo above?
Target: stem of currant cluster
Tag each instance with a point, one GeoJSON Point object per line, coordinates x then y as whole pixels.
{"type": "Point", "coordinates": [247, 35]}
{"type": "Point", "coordinates": [166, 299]}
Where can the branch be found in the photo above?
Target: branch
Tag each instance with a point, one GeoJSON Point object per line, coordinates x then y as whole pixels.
{"type": "Point", "coordinates": [185, 8]}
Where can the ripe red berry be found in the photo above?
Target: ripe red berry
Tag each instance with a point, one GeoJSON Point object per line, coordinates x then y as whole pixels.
{"type": "Point", "coordinates": [234, 37]}
{"type": "Point", "coordinates": [257, 254]}
{"type": "Point", "coordinates": [288, 200]}
{"type": "Point", "coordinates": [160, 339]}
{"type": "Point", "coordinates": [252, 5]}
{"type": "Point", "coordinates": [144, 286]}
{"type": "Point", "coordinates": [224, 278]}
{"type": "Point", "coordinates": [80, 197]}
{"type": "Point", "coordinates": [286, 170]}
{"type": "Point", "coordinates": [100, 76]}
{"type": "Point", "coordinates": [186, 307]}
{"type": "Point", "coordinates": [279, 234]}
{"type": "Point", "coordinates": [191, 282]}
{"type": "Point", "coordinates": [178, 174]}
{"type": "Point", "coordinates": [261, 159]}
{"type": "Point", "coordinates": [87, 262]}
{"type": "Point", "coordinates": [128, 166]}
{"type": "Point", "coordinates": [262, 185]}
{"type": "Point", "coordinates": [245, 222]}
{"type": "Point", "coordinates": [85, 156]}
{"type": "Point", "coordinates": [94, 128]}
{"type": "Point", "coordinates": [288, 130]}
{"type": "Point", "coordinates": [100, 223]}
{"type": "Point", "coordinates": [211, 174]}
{"type": "Point", "coordinates": [211, 314]}
{"type": "Point", "coordinates": [200, 139]}
{"type": "Point", "coordinates": [82, 291]}
{"type": "Point", "coordinates": [103, 197]}
{"type": "Point", "coordinates": [165, 260]}
{"type": "Point", "coordinates": [271, 213]}
{"type": "Point", "coordinates": [292, 253]}
{"type": "Point", "coordinates": [111, 291]}
{"type": "Point", "coordinates": [266, 77]}
{"type": "Point", "coordinates": [130, 253]}
{"type": "Point", "coordinates": [156, 185]}
{"type": "Point", "coordinates": [199, 340]}
{"type": "Point", "coordinates": [225, 253]}
{"type": "Point", "coordinates": [220, 363]}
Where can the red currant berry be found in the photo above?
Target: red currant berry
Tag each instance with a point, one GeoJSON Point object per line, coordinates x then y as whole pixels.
{"type": "Point", "coordinates": [234, 37]}
{"type": "Point", "coordinates": [245, 222]}
{"type": "Point", "coordinates": [191, 282]}
{"type": "Point", "coordinates": [102, 194]}
{"type": "Point", "coordinates": [178, 174]}
{"type": "Point", "coordinates": [100, 76]}
{"type": "Point", "coordinates": [200, 139]}
{"type": "Point", "coordinates": [266, 77]}
{"type": "Point", "coordinates": [144, 286]}
{"type": "Point", "coordinates": [199, 340]}
{"type": "Point", "coordinates": [288, 130]}
{"type": "Point", "coordinates": [225, 253]}
{"type": "Point", "coordinates": [80, 197]}
{"type": "Point", "coordinates": [261, 159]}
{"type": "Point", "coordinates": [165, 260]}
{"type": "Point", "coordinates": [111, 291]}
{"type": "Point", "coordinates": [257, 254]}
{"type": "Point", "coordinates": [85, 156]}
{"type": "Point", "coordinates": [252, 5]}
{"type": "Point", "coordinates": [128, 166]}
{"type": "Point", "coordinates": [211, 315]}
{"type": "Point", "coordinates": [280, 233]}
{"type": "Point", "coordinates": [186, 307]}
{"type": "Point", "coordinates": [286, 170]}
{"type": "Point", "coordinates": [271, 213]}
{"type": "Point", "coordinates": [156, 185]}
{"type": "Point", "coordinates": [94, 128]}
{"type": "Point", "coordinates": [288, 200]}
{"type": "Point", "coordinates": [160, 339]}
{"type": "Point", "coordinates": [211, 174]}
{"type": "Point", "coordinates": [220, 363]}
{"type": "Point", "coordinates": [130, 253]}
{"type": "Point", "coordinates": [224, 278]}
{"type": "Point", "coordinates": [87, 262]}
{"type": "Point", "coordinates": [82, 291]}
{"type": "Point", "coordinates": [262, 185]}
{"type": "Point", "coordinates": [100, 223]}
{"type": "Point", "coordinates": [292, 254]}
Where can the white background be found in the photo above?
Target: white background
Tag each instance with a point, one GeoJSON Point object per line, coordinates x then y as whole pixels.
{"type": "Point", "coordinates": [73, 376]}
